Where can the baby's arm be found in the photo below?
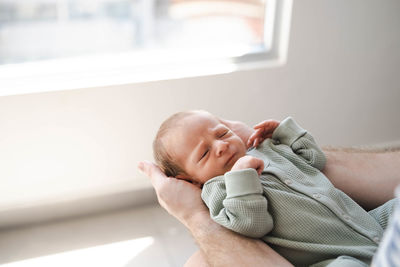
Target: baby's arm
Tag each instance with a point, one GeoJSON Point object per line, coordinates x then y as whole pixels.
{"type": "Point", "coordinates": [300, 141]}
{"type": "Point", "coordinates": [236, 201]}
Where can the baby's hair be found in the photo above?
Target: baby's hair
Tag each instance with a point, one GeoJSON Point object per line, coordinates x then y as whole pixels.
{"type": "Point", "coordinates": [164, 159]}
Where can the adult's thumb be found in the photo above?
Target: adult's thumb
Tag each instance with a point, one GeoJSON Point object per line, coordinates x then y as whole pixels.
{"type": "Point", "coordinates": [144, 167]}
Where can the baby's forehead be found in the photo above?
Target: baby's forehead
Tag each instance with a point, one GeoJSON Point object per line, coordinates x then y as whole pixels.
{"type": "Point", "coordinates": [193, 127]}
{"type": "Point", "coordinates": [200, 123]}
{"type": "Point", "coordinates": [201, 118]}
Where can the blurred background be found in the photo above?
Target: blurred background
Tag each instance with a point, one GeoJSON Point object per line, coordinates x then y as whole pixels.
{"type": "Point", "coordinates": [84, 86]}
{"type": "Point", "coordinates": [44, 29]}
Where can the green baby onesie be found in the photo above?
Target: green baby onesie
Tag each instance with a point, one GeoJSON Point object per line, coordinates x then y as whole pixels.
{"type": "Point", "coordinates": [293, 207]}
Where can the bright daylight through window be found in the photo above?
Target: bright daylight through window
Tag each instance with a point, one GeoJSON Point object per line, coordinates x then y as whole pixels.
{"type": "Point", "coordinates": [139, 38]}
{"type": "Point", "coordinates": [45, 29]}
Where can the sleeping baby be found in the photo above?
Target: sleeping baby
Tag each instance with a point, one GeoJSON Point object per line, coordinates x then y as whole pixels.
{"type": "Point", "coordinates": [274, 191]}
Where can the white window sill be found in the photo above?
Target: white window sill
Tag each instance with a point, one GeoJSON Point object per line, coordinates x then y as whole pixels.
{"type": "Point", "coordinates": [97, 71]}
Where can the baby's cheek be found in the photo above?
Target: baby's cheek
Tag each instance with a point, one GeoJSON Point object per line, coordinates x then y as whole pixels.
{"type": "Point", "coordinates": [215, 173]}
{"type": "Point", "coordinates": [204, 179]}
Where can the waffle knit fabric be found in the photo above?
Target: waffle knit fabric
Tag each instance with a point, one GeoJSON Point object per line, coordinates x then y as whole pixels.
{"type": "Point", "coordinates": [293, 207]}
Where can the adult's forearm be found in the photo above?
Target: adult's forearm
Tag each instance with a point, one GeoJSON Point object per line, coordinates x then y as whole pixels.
{"type": "Point", "coordinates": [369, 177]}
{"type": "Point", "coordinates": [223, 247]}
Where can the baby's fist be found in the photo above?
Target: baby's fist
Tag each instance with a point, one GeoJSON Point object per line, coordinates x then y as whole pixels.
{"type": "Point", "coordinates": [249, 162]}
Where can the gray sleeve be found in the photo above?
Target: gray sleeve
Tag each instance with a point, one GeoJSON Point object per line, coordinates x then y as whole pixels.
{"type": "Point", "coordinates": [236, 201]}
{"type": "Point", "coordinates": [302, 143]}
{"type": "Point", "coordinates": [342, 261]}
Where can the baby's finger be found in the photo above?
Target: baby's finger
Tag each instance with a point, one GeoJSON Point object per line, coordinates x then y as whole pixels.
{"type": "Point", "coordinates": [257, 141]}
{"type": "Point", "coordinates": [248, 143]}
{"type": "Point", "coordinates": [252, 137]}
{"type": "Point", "coordinates": [260, 168]}
{"type": "Point", "coordinates": [250, 140]}
{"type": "Point", "coordinates": [254, 143]}
{"type": "Point", "coordinates": [263, 124]}
{"type": "Point", "coordinates": [260, 125]}
{"type": "Point", "coordinates": [268, 135]}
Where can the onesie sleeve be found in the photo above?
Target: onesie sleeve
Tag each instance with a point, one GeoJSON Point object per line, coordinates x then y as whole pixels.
{"type": "Point", "coordinates": [236, 201]}
{"type": "Point", "coordinates": [342, 261]}
{"type": "Point", "coordinates": [300, 141]}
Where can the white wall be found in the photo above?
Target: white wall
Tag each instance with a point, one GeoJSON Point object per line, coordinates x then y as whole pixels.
{"type": "Point", "coordinates": [341, 81]}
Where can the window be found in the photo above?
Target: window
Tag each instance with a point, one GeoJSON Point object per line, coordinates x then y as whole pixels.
{"type": "Point", "coordinates": [65, 36]}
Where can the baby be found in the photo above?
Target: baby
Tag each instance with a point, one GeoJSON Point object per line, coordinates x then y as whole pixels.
{"type": "Point", "coordinates": [275, 192]}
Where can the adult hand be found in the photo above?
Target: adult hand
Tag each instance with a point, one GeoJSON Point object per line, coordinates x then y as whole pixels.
{"type": "Point", "coordinates": [180, 198]}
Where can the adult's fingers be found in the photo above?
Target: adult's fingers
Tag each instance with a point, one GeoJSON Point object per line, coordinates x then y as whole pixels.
{"type": "Point", "coordinates": [152, 171]}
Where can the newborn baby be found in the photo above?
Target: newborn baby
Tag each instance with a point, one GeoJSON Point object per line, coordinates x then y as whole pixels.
{"type": "Point", "coordinates": [275, 192]}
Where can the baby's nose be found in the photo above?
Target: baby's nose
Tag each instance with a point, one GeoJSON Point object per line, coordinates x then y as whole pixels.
{"type": "Point", "coordinates": [221, 147]}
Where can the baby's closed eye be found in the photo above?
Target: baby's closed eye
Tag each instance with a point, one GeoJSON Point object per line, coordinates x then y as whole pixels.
{"type": "Point", "coordinates": [224, 133]}
{"type": "Point", "coordinates": [204, 154]}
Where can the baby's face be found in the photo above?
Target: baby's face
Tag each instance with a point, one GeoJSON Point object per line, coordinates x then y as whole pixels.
{"type": "Point", "coordinates": [204, 147]}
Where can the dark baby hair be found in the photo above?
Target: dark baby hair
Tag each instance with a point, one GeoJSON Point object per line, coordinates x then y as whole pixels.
{"type": "Point", "coordinates": [164, 159]}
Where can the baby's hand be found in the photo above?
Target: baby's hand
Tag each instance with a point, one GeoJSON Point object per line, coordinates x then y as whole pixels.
{"type": "Point", "coordinates": [249, 162]}
{"type": "Point", "coordinates": [263, 131]}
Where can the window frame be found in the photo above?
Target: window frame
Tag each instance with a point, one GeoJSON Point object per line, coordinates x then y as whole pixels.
{"type": "Point", "coordinates": [90, 71]}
